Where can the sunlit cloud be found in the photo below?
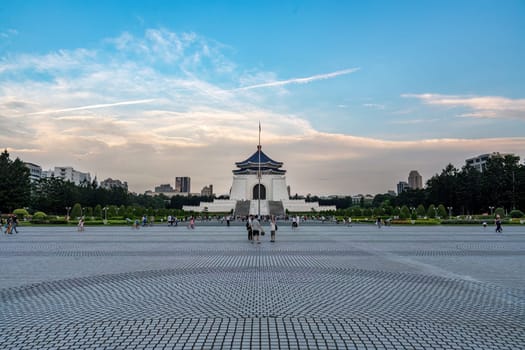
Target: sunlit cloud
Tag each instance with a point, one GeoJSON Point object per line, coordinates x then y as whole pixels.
{"type": "Point", "coordinates": [480, 106]}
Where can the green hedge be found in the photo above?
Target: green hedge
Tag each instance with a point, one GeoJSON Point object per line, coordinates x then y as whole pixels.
{"type": "Point", "coordinates": [466, 222]}
{"type": "Point", "coordinates": [94, 222]}
{"type": "Point", "coordinates": [415, 222]}
{"type": "Point", "coordinates": [119, 222]}
{"type": "Point", "coordinates": [58, 222]}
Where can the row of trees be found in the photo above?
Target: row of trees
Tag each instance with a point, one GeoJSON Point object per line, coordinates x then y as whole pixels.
{"type": "Point", "coordinates": [466, 191]}
{"type": "Point", "coordinates": [53, 195]}
{"type": "Point", "coordinates": [463, 191]}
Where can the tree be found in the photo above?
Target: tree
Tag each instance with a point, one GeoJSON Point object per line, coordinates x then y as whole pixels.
{"type": "Point", "coordinates": [97, 212]}
{"type": "Point", "coordinates": [76, 212]}
{"type": "Point", "coordinates": [396, 211]}
{"type": "Point", "coordinates": [420, 211]}
{"type": "Point", "coordinates": [15, 186]}
{"type": "Point", "coordinates": [53, 194]}
{"type": "Point", "coordinates": [442, 188]}
{"type": "Point", "coordinates": [431, 211]}
{"type": "Point", "coordinates": [378, 211]}
{"type": "Point", "coordinates": [356, 211]}
{"type": "Point", "coordinates": [442, 212]}
{"type": "Point", "coordinates": [404, 213]}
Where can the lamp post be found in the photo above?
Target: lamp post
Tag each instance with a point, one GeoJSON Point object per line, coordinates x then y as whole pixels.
{"type": "Point", "coordinates": [67, 215]}
{"type": "Point", "coordinates": [449, 211]}
{"type": "Point", "coordinates": [491, 210]}
{"type": "Point", "coordinates": [105, 214]}
{"type": "Point", "coordinates": [436, 210]}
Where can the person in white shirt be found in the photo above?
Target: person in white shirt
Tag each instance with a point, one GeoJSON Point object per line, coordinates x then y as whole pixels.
{"type": "Point", "coordinates": [273, 228]}
{"type": "Point", "coordinates": [256, 229]}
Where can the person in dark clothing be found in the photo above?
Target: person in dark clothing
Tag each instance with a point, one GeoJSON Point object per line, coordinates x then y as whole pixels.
{"type": "Point", "coordinates": [499, 229]}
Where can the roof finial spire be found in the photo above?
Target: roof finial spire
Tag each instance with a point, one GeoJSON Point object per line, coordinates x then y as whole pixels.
{"type": "Point", "coordinates": [259, 145]}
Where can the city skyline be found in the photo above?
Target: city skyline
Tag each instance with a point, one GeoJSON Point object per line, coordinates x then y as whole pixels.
{"type": "Point", "coordinates": [351, 97]}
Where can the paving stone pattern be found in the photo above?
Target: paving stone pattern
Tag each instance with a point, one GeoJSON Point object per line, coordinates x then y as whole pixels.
{"type": "Point", "coordinates": [321, 287]}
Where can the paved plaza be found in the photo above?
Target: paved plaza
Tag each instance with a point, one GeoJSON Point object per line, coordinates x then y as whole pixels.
{"type": "Point", "coordinates": [320, 287]}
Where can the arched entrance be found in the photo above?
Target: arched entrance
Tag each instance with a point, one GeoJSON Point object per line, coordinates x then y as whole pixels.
{"type": "Point", "coordinates": [256, 192]}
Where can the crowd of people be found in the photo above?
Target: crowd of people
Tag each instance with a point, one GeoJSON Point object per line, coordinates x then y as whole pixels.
{"type": "Point", "coordinates": [255, 229]}
{"type": "Point", "coordinates": [10, 224]}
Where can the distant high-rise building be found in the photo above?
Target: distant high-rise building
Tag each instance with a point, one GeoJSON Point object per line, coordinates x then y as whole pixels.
{"type": "Point", "coordinates": [402, 186]}
{"type": "Point", "coordinates": [415, 181]}
{"type": "Point", "coordinates": [110, 183]}
{"type": "Point", "coordinates": [207, 191]}
{"type": "Point", "coordinates": [480, 161]}
{"type": "Point", "coordinates": [35, 171]}
{"type": "Point", "coordinates": [67, 173]}
{"type": "Point", "coordinates": [164, 188]}
{"type": "Point", "coordinates": [183, 184]}
{"type": "Point", "coordinates": [356, 199]}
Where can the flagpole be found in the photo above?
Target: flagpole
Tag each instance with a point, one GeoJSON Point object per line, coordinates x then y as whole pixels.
{"type": "Point", "coordinates": [259, 176]}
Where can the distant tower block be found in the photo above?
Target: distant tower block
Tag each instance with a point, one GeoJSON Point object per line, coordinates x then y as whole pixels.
{"type": "Point", "coordinates": [415, 181]}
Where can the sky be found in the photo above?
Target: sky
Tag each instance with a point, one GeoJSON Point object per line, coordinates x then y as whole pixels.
{"type": "Point", "coordinates": [351, 96]}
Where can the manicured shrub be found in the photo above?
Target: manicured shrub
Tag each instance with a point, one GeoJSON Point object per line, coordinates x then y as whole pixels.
{"type": "Point", "coordinates": [21, 213]}
{"type": "Point", "coordinates": [500, 212]}
{"type": "Point", "coordinates": [516, 214]}
{"type": "Point", "coordinates": [39, 218]}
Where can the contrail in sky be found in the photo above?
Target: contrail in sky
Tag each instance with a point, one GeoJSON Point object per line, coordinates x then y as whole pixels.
{"type": "Point", "coordinates": [299, 80]}
{"type": "Point", "coordinates": [104, 105]}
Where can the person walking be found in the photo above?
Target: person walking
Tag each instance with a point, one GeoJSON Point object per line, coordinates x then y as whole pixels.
{"type": "Point", "coordinates": [191, 225]}
{"type": "Point", "coordinates": [8, 225]}
{"type": "Point", "coordinates": [273, 228]}
{"type": "Point", "coordinates": [294, 223]}
{"type": "Point", "coordinates": [249, 228]}
{"type": "Point", "coordinates": [14, 224]}
{"type": "Point", "coordinates": [499, 229]}
{"type": "Point", "coordinates": [256, 229]}
{"type": "Point", "coordinates": [80, 226]}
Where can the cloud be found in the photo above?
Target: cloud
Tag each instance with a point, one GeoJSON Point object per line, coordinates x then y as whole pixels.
{"type": "Point", "coordinates": [414, 121]}
{"type": "Point", "coordinates": [374, 106]}
{"type": "Point", "coordinates": [476, 106]}
{"type": "Point", "coordinates": [305, 80]}
{"type": "Point", "coordinates": [145, 109]}
{"type": "Point", "coordinates": [8, 33]}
